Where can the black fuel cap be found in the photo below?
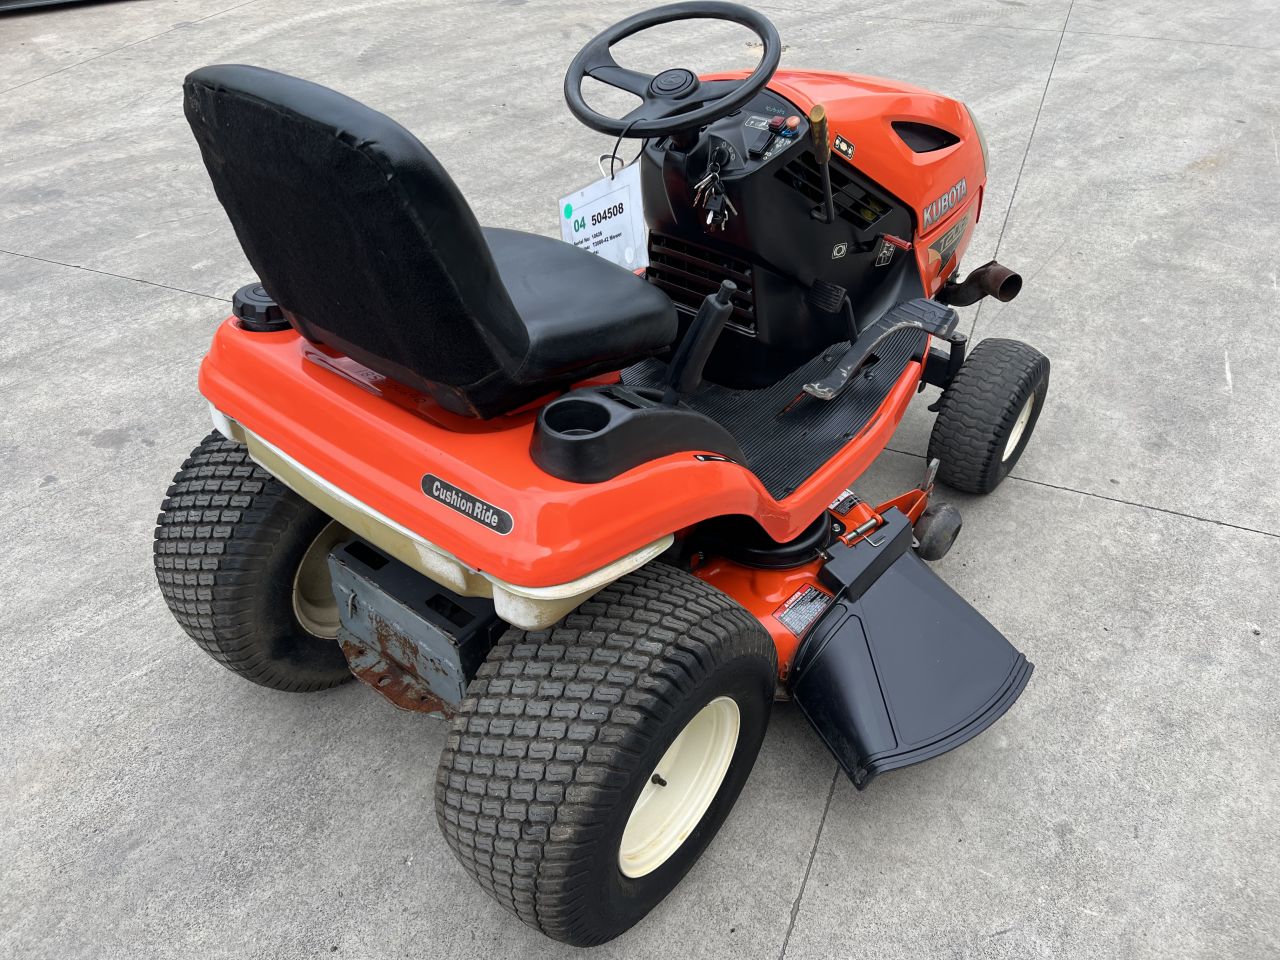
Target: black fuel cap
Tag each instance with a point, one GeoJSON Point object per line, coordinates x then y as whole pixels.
{"type": "Point", "coordinates": [257, 311]}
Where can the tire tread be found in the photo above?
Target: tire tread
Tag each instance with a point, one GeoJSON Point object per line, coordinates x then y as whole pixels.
{"type": "Point", "coordinates": [977, 410]}
{"type": "Point", "coordinates": [217, 528]}
{"type": "Point", "coordinates": [540, 748]}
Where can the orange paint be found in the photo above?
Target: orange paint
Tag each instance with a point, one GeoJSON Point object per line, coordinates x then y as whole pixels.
{"type": "Point", "coordinates": [764, 593]}
{"type": "Point", "coordinates": [862, 110]}
{"type": "Point", "coordinates": [375, 439]}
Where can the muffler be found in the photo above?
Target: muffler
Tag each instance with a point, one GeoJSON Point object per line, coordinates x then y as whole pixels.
{"type": "Point", "coordinates": [989, 280]}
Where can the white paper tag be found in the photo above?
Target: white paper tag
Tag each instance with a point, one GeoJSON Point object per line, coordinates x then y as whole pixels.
{"type": "Point", "coordinates": [607, 218]}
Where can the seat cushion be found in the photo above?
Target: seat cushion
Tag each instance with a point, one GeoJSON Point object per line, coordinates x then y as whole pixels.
{"type": "Point", "coordinates": [584, 314]}
{"type": "Point", "coordinates": [320, 188]}
{"type": "Point", "coordinates": [368, 246]}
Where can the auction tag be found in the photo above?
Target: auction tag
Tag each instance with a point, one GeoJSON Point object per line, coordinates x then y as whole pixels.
{"type": "Point", "coordinates": [607, 218]}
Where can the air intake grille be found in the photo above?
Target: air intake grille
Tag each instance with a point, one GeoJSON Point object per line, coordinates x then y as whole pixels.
{"type": "Point", "coordinates": [686, 273]}
{"type": "Point", "coordinates": [923, 138]}
{"type": "Point", "coordinates": [853, 202]}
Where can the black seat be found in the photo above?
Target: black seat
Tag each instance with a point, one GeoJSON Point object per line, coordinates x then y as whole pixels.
{"type": "Point", "coordinates": [362, 238]}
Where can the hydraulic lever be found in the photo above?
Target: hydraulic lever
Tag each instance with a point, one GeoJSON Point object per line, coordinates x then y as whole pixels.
{"type": "Point", "coordinates": [822, 153]}
{"type": "Point", "coordinates": [685, 372]}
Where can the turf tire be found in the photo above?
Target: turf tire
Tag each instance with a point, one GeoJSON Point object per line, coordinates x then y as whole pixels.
{"type": "Point", "coordinates": [978, 411]}
{"type": "Point", "coordinates": [560, 730]}
{"type": "Point", "coordinates": [228, 542]}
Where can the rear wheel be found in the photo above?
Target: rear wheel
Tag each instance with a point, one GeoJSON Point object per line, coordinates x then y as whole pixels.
{"type": "Point", "coordinates": [987, 414]}
{"type": "Point", "coordinates": [592, 763]}
{"type": "Point", "coordinates": [242, 563]}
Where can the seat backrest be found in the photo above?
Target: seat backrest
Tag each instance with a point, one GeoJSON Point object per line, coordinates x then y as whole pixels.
{"type": "Point", "coordinates": [355, 229]}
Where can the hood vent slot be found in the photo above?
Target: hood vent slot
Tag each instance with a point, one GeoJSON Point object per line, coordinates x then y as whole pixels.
{"type": "Point", "coordinates": [853, 202]}
{"type": "Point", "coordinates": [923, 138]}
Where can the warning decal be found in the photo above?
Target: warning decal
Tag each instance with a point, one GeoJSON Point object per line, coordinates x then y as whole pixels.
{"type": "Point", "coordinates": [804, 607]}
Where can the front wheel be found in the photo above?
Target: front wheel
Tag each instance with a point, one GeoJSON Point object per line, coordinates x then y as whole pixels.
{"type": "Point", "coordinates": [592, 763]}
{"type": "Point", "coordinates": [987, 414]}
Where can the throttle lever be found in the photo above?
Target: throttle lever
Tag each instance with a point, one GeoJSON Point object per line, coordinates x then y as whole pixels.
{"type": "Point", "coordinates": [822, 153]}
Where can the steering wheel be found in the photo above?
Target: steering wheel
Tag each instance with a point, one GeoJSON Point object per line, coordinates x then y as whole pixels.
{"type": "Point", "coordinates": [670, 99]}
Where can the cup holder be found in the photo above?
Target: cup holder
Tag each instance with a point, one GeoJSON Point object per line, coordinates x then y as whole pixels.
{"type": "Point", "coordinates": [576, 417]}
{"type": "Point", "coordinates": [597, 433]}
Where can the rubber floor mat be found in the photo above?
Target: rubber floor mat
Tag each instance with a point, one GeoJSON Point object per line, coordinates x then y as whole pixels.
{"type": "Point", "coordinates": [786, 434]}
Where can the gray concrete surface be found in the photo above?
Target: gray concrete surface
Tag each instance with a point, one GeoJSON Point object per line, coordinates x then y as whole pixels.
{"type": "Point", "coordinates": [152, 805]}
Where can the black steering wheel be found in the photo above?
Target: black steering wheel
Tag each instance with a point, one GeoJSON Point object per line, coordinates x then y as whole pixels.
{"type": "Point", "coordinates": [671, 101]}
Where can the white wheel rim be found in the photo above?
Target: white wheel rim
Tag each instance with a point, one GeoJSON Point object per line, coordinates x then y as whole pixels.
{"type": "Point", "coordinates": [313, 602]}
{"type": "Point", "coordinates": [1019, 428]}
{"type": "Point", "coordinates": [680, 789]}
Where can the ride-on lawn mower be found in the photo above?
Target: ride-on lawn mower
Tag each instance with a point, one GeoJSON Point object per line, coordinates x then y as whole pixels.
{"type": "Point", "coordinates": [600, 517]}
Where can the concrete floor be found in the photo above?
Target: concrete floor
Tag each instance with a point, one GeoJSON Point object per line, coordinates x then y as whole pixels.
{"type": "Point", "coordinates": [153, 805]}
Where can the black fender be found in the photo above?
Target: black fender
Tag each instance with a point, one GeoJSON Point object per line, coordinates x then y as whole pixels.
{"type": "Point", "coordinates": [900, 668]}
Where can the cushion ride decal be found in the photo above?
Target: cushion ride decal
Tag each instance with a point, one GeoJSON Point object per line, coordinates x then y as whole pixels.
{"type": "Point", "coordinates": [485, 514]}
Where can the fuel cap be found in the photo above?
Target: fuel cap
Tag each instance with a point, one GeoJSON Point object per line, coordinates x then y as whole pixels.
{"type": "Point", "coordinates": [256, 310]}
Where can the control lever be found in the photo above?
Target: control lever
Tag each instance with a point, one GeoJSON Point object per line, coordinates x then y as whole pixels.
{"type": "Point", "coordinates": [931, 317]}
{"type": "Point", "coordinates": [822, 153]}
{"type": "Point", "coordinates": [685, 372]}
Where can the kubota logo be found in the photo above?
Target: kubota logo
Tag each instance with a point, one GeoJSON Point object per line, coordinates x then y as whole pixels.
{"type": "Point", "coordinates": [944, 204]}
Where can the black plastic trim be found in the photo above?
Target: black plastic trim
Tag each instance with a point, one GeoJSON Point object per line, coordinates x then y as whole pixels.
{"type": "Point", "coordinates": [900, 668]}
{"type": "Point", "coordinates": [786, 434]}
{"type": "Point", "coordinates": [596, 433]}
{"type": "Point", "coordinates": [742, 540]}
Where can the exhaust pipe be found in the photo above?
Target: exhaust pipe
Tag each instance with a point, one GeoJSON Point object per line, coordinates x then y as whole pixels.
{"type": "Point", "coordinates": [989, 280]}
